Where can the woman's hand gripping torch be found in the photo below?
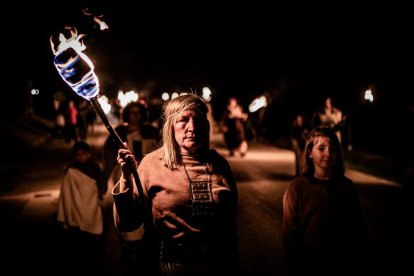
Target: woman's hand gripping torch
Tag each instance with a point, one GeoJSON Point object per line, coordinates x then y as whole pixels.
{"type": "Point", "coordinates": [77, 70]}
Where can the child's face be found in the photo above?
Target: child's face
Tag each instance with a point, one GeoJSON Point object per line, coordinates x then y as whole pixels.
{"type": "Point", "coordinates": [82, 156]}
{"type": "Point", "coordinates": [323, 154]}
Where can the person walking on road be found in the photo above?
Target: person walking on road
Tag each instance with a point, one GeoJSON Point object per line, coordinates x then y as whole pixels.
{"type": "Point", "coordinates": [329, 116]}
{"type": "Point", "coordinates": [298, 134]}
{"type": "Point", "coordinates": [135, 129]}
{"type": "Point", "coordinates": [234, 129]}
{"type": "Point", "coordinates": [323, 227]}
{"type": "Point", "coordinates": [79, 210]}
{"type": "Point", "coordinates": [190, 196]}
{"type": "Point", "coordinates": [142, 138]}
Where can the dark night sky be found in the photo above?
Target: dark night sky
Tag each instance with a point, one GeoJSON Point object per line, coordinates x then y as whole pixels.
{"type": "Point", "coordinates": [295, 53]}
{"type": "Point", "coordinates": [234, 48]}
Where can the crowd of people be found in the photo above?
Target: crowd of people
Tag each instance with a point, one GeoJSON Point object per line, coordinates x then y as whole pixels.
{"type": "Point", "coordinates": [74, 118]}
{"type": "Point", "coordinates": [175, 198]}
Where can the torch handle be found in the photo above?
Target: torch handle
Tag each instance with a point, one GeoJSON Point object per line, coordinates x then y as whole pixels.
{"type": "Point", "coordinates": [115, 136]}
{"type": "Point", "coordinates": [105, 121]}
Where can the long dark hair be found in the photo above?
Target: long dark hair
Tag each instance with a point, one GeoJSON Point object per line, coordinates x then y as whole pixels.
{"type": "Point", "coordinates": [127, 109]}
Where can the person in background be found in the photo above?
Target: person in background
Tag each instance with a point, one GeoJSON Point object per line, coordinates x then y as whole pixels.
{"type": "Point", "coordinates": [86, 118]}
{"type": "Point", "coordinates": [233, 127]}
{"type": "Point", "coordinates": [135, 129]}
{"type": "Point", "coordinates": [71, 122]}
{"type": "Point", "coordinates": [324, 231]}
{"type": "Point", "coordinates": [298, 134]}
{"type": "Point", "coordinates": [189, 199]}
{"type": "Point", "coordinates": [142, 138]}
{"type": "Point", "coordinates": [59, 122]}
{"type": "Point", "coordinates": [79, 210]}
{"type": "Point", "coordinates": [329, 116]}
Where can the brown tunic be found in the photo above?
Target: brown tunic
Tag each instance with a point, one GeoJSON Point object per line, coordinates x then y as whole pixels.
{"type": "Point", "coordinates": [169, 199]}
{"type": "Point", "coordinates": [323, 226]}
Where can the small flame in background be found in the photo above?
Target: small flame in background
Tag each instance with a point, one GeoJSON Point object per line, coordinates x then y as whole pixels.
{"type": "Point", "coordinates": [74, 66]}
{"type": "Point", "coordinates": [368, 95]}
{"type": "Point", "coordinates": [258, 103]}
{"type": "Point", "coordinates": [97, 18]}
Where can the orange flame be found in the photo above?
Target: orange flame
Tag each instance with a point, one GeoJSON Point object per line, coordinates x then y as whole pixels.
{"type": "Point", "coordinates": [73, 65]}
{"type": "Point", "coordinates": [74, 41]}
{"type": "Point", "coordinates": [97, 18]}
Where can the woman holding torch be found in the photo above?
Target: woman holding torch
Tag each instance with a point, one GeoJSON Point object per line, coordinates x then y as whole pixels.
{"type": "Point", "coordinates": [190, 193]}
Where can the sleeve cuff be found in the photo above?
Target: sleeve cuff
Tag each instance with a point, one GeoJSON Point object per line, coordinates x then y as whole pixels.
{"type": "Point", "coordinates": [116, 189]}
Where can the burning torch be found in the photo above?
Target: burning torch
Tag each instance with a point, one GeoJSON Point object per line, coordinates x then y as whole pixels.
{"type": "Point", "coordinates": [77, 70]}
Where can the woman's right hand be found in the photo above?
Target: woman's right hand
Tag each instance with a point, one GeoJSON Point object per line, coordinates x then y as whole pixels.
{"type": "Point", "coordinates": [127, 161]}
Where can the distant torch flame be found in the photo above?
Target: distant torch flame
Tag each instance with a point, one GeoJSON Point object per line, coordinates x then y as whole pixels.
{"type": "Point", "coordinates": [369, 96]}
{"type": "Point", "coordinates": [258, 103]}
{"type": "Point", "coordinates": [97, 18]}
{"type": "Point", "coordinates": [75, 68]}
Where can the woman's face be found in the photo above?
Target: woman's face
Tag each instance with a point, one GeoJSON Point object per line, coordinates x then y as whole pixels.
{"type": "Point", "coordinates": [323, 154]}
{"type": "Point", "coordinates": [191, 131]}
